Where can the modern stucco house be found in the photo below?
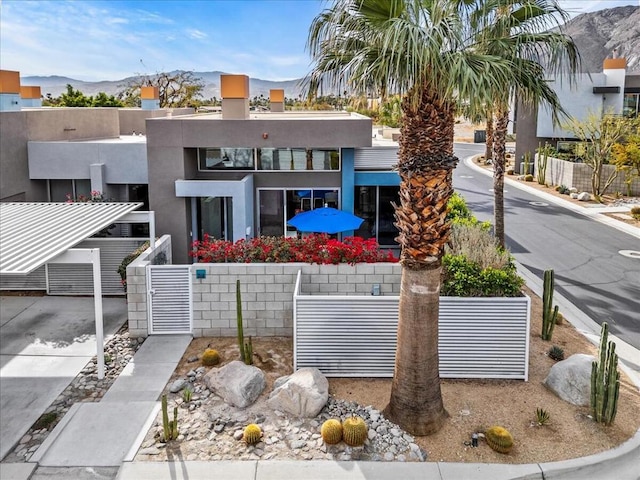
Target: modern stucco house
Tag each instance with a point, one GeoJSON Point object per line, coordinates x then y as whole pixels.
{"type": "Point", "coordinates": [233, 175]}
{"type": "Point", "coordinates": [614, 90]}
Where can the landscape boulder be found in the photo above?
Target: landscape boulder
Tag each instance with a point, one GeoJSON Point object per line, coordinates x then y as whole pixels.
{"type": "Point", "coordinates": [570, 379]}
{"type": "Point", "coordinates": [238, 384]}
{"type": "Point", "coordinates": [584, 196]}
{"type": "Point", "coordinates": [303, 393]}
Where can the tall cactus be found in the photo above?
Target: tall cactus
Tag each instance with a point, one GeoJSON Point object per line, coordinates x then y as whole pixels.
{"type": "Point", "coordinates": [169, 427]}
{"type": "Point", "coordinates": [246, 349]}
{"type": "Point", "coordinates": [605, 380]}
{"type": "Point", "coordinates": [543, 158]}
{"type": "Point", "coordinates": [549, 312]}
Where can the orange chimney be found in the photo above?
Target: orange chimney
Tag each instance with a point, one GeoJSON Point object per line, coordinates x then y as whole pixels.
{"type": "Point", "coordinates": [276, 98]}
{"type": "Point", "coordinates": [149, 98]}
{"type": "Point", "coordinates": [9, 81]}
{"type": "Point", "coordinates": [614, 63]}
{"type": "Point", "coordinates": [31, 96]}
{"type": "Point", "coordinates": [9, 91]}
{"type": "Point", "coordinates": [234, 90]}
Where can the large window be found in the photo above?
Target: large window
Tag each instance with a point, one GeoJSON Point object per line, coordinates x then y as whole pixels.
{"type": "Point", "coordinates": [374, 205]}
{"type": "Point", "coordinates": [63, 190]}
{"type": "Point", "coordinates": [298, 159]}
{"type": "Point", "coordinates": [631, 104]}
{"type": "Point", "coordinates": [277, 207]}
{"type": "Point", "coordinates": [226, 159]}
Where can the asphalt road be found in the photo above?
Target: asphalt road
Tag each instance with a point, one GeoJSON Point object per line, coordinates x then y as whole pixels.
{"type": "Point", "coordinates": [583, 252]}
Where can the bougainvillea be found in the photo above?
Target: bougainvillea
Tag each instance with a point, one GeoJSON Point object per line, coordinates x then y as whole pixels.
{"type": "Point", "coordinates": [318, 248]}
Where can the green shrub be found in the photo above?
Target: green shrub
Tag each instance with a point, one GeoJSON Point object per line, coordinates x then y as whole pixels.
{"type": "Point", "coordinates": [465, 278]}
{"type": "Point", "coordinates": [460, 214]}
{"type": "Point", "coordinates": [122, 269]}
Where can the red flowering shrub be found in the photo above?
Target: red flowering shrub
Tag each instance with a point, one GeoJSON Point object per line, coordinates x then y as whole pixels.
{"type": "Point", "coordinates": [310, 249]}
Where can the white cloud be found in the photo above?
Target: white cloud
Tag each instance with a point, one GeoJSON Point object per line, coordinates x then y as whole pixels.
{"type": "Point", "coordinates": [196, 34]}
{"type": "Point", "coordinates": [116, 20]}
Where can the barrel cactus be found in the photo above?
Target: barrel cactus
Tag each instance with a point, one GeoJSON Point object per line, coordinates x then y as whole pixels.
{"type": "Point", "coordinates": [210, 357]}
{"type": "Point", "coordinates": [331, 431]}
{"type": "Point", "coordinates": [499, 439]}
{"type": "Point", "coordinates": [252, 434]}
{"type": "Point", "coordinates": [354, 431]}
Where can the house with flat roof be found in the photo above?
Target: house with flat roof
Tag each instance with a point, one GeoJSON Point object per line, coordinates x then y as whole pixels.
{"type": "Point", "coordinates": [232, 174]}
{"type": "Point", "coordinates": [614, 90]}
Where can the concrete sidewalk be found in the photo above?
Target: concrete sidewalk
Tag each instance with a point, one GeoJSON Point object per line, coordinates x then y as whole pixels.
{"type": "Point", "coordinates": [621, 463]}
{"type": "Point", "coordinates": [101, 434]}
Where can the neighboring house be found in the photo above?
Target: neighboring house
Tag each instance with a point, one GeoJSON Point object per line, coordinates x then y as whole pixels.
{"type": "Point", "coordinates": [235, 174]}
{"type": "Point", "coordinates": [613, 90]}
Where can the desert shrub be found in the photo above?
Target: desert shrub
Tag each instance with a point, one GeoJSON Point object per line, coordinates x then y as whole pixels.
{"type": "Point", "coordinates": [478, 245]}
{"type": "Point", "coordinates": [528, 178]}
{"type": "Point", "coordinates": [542, 417]}
{"type": "Point", "coordinates": [556, 353]}
{"type": "Point", "coordinates": [635, 212]}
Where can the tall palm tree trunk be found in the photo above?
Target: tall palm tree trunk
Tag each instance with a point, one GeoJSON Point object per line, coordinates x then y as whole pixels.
{"type": "Point", "coordinates": [425, 164]}
{"type": "Point", "coordinates": [488, 149]}
{"type": "Point", "coordinates": [499, 161]}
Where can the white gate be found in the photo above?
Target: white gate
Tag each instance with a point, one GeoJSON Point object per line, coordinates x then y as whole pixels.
{"type": "Point", "coordinates": [169, 301]}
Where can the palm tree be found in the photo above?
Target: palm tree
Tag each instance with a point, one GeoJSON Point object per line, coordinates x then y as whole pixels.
{"type": "Point", "coordinates": [529, 35]}
{"type": "Point", "coordinates": [422, 49]}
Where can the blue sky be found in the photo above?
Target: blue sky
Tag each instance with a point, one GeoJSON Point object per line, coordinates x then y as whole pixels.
{"type": "Point", "coordinates": [112, 39]}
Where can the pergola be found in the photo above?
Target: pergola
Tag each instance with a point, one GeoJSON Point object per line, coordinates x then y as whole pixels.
{"type": "Point", "coordinates": [34, 234]}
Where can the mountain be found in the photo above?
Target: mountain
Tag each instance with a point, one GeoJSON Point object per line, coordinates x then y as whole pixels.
{"type": "Point", "coordinates": [599, 34]}
{"type": "Point", "coordinates": [55, 85]}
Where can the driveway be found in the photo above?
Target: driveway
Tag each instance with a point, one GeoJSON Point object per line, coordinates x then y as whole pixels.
{"type": "Point", "coordinates": [44, 343]}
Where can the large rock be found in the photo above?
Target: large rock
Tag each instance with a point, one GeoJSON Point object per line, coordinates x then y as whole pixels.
{"type": "Point", "coordinates": [302, 394]}
{"type": "Point", "coordinates": [238, 384]}
{"type": "Point", "coordinates": [584, 196]}
{"type": "Point", "coordinates": [570, 379]}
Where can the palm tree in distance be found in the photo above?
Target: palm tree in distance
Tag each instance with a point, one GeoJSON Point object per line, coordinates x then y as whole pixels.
{"type": "Point", "coordinates": [529, 35]}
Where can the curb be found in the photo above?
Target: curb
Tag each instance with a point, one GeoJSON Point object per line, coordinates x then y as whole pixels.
{"type": "Point", "coordinates": [591, 212]}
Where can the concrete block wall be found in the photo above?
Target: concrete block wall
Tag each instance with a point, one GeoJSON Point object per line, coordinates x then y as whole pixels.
{"type": "Point", "coordinates": [137, 285]}
{"type": "Point", "coordinates": [578, 175]}
{"type": "Point", "coordinates": [267, 293]}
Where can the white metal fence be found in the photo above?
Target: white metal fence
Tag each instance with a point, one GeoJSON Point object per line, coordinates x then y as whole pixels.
{"type": "Point", "coordinates": [356, 336]}
{"type": "Point", "coordinates": [77, 279]}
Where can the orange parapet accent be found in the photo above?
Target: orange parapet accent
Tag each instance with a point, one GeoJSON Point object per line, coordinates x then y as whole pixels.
{"type": "Point", "coordinates": [614, 63]}
{"type": "Point", "coordinates": [276, 95]}
{"type": "Point", "coordinates": [234, 86]}
{"type": "Point", "coordinates": [149, 93]}
{"type": "Point", "coordinates": [9, 81]}
{"type": "Point", "coordinates": [29, 92]}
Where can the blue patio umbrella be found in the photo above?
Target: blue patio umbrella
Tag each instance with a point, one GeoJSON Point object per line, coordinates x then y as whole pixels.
{"type": "Point", "coordinates": [325, 220]}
